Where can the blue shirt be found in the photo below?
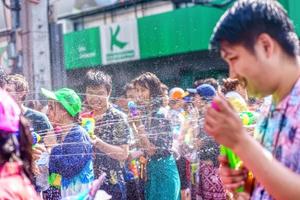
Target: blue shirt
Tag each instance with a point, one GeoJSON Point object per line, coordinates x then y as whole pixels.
{"type": "Point", "coordinates": [72, 159]}
{"type": "Point", "coordinates": [113, 129]}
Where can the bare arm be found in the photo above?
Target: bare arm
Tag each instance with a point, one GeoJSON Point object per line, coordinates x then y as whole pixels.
{"type": "Point", "coordinates": [116, 152]}
{"type": "Point", "coordinates": [278, 180]}
{"type": "Point", "coordinates": [226, 127]}
{"type": "Point", "coordinates": [143, 139]}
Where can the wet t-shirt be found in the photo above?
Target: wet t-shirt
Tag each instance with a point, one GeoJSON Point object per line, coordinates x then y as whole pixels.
{"type": "Point", "coordinates": [113, 129]}
{"type": "Point", "coordinates": [160, 134]}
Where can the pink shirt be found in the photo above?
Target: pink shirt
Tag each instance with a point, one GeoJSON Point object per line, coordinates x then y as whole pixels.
{"type": "Point", "coordinates": [14, 185]}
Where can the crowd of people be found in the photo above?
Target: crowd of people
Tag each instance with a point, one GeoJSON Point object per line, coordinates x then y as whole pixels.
{"type": "Point", "coordinates": [157, 149]}
{"type": "Point", "coordinates": [159, 143]}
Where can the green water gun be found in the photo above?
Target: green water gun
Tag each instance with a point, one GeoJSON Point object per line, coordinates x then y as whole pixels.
{"type": "Point", "coordinates": [248, 118]}
{"type": "Point", "coordinates": [233, 160]}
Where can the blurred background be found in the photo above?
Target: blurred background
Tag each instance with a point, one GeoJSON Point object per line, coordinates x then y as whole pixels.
{"type": "Point", "coordinates": [54, 42]}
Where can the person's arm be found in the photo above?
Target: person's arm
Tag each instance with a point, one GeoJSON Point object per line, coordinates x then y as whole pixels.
{"type": "Point", "coordinates": [139, 133]}
{"type": "Point", "coordinates": [145, 142]}
{"type": "Point", "coordinates": [226, 127]}
{"type": "Point", "coordinates": [120, 152]}
{"type": "Point", "coordinates": [278, 180]}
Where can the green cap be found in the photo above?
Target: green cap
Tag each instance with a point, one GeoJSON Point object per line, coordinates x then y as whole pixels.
{"type": "Point", "coordinates": [67, 98]}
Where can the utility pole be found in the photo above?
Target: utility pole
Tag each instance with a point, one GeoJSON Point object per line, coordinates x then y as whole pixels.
{"type": "Point", "coordinates": [35, 45]}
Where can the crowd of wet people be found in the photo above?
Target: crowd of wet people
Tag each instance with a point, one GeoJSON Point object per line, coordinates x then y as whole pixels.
{"type": "Point", "coordinates": [211, 141]}
{"type": "Point", "coordinates": [149, 142]}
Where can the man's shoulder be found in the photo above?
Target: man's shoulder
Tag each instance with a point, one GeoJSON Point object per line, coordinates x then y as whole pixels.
{"type": "Point", "coordinates": [31, 113]}
{"type": "Point", "coordinates": [115, 113]}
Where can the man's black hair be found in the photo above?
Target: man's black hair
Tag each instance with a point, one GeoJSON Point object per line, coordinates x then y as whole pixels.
{"type": "Point", "coordinates": [247, 19]}
{"type": "Point", "coordinates": [98, 78]}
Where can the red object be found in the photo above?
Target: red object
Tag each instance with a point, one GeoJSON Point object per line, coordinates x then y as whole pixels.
{"type": "Point", "coordinates": [87, 115]}
{"type": "Point", "coordinates": [58, 130]}
{"type": "Point", "coordinates": [215, 106]}
{"type": "Point", "coordinates": [188, 169]}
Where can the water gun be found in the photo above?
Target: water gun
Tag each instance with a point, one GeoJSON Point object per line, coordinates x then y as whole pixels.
{"type": "Point", "coordinates": [133, 168]}
{"type": "Point", "coordinates": [233, 160]}
{"type": "Point", "coordinates": [88, 123]}
{"type": "Point", "coordinates": [55, 180]}
{"type": "Point", "coordinates": [248, 118]}
{"type": "Point", "coordinates": [132, 107]}
{"type": "Point", "coordinates": [36, 138]}
{"type": "Point", "coordinates": [194, 169]}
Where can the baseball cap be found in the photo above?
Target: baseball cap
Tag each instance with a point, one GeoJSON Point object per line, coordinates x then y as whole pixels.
{"type": "Point", "coordinates": [206, 91]}
{"type": "Point", "coordinates": [177, 93]}
{"type": "Point", "coordinates": [9, 113]}
{"type": "Point", "coordinates": [67, 98]}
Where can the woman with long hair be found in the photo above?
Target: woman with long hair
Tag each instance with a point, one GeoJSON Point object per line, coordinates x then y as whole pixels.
{"type": "Point", "coordinates": [154, 133]}
{"type": "Point", "coordinates": [15, 152]}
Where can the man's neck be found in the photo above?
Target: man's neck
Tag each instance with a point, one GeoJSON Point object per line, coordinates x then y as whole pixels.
{"type": "Point", "coordinates": [66, 124]}
{"type": "Point", "coordinates": [290, 75]}
{"type": "Point", "coordinates": [99, 113]}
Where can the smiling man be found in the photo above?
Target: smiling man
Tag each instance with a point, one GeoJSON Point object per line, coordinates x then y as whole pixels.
{"type": "Point", "coordinates": [261, 48]}
{"type": "Point", "coordinates": [112, 133]}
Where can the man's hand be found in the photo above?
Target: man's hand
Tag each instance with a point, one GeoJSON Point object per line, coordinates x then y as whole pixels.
{"type": "Point", "coordinates": [50, 139]}
{"type": "Point", "coordinates": [186, 194]}
{"type": "Point", "coordinates": [37, 151]}
{"type": "Point", "coordinates": [95, 141]}
{"type": "Point", "coordinates": [224, 125]}
{"type": "Point", "coordinates": [231, 178]}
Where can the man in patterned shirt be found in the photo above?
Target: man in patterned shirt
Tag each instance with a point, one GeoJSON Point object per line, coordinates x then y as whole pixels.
{"type": "Point", "coordinates": [259, 43]}
{"type": "Point", "coordinates": [112, 133]}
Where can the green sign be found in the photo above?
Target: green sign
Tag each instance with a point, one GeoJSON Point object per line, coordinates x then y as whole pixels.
{"type": "Point", "coordinates": [180, 31]}
{"type": "Point", "coordinates": [82, 49]}
{"type": "Point", "coordinates": [119, 42]}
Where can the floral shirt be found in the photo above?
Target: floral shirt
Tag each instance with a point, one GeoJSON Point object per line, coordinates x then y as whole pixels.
{"type": "Point", "coordinates": [113, 129]}
{"type": "Point", "coordinates": [279, 133]}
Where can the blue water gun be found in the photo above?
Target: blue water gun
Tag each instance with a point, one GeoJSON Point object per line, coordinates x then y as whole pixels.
{"type": "Point", "coordinates": [36, 138]}
{"type": "Point", "coordinates": [132, 107]}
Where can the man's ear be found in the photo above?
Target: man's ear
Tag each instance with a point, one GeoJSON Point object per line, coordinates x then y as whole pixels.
{"type": "Point", "coordinates": [265, 44]}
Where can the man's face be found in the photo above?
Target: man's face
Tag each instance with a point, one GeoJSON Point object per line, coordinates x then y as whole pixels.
{"type": "Point", "coordinates": [97, 98]}
{"type": "Point", "coordinates": [131, 95]}
{"type": "Point", "coordinates": [176, 104]}
{"type": "Point", "coordinates": [198, 102]}
{"type": "Point", "coordinates": [17, 96]}
{"type": "Point", "coordinates": [55, 112]}
{"type": "Point", "coordinates": [257, 70]}
{"type": "Point", "coordinates": [121, 102]}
